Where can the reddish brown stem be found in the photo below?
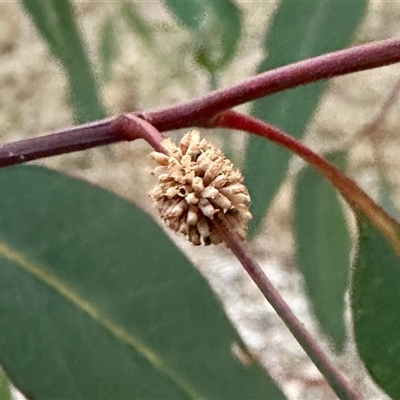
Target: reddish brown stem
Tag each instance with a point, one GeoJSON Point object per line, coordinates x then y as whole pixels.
{"type": "Point", "coordinates": [355, 196]}
{"type": "Point", "coordinates": [132, 127]}
{"type": "Point", "coordinates": [123, 128]}
{"type": "Point", "coordinates": [197, 112]}
{"type": "Point", "coordinates": [329, 65]}
{"type": "Point", "coordinates": [337, 382]}
{"type": "Point", "coordinates": [78, 138]}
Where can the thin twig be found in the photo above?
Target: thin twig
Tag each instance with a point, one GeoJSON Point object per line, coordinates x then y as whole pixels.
{"type": "Point", "coordinates": [372, 131]}
{"type": "Point", "coordinates": [337, 382]}
{"type": "Point", "coordinates": [197, 112]}
{"type": "Point", "coordinates": [389, 102]}
{"type": "Point", "coordinates": [353, 194]}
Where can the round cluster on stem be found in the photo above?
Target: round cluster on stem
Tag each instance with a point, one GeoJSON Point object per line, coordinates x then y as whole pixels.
{"type": "Point", "coordinates": [198, 189]}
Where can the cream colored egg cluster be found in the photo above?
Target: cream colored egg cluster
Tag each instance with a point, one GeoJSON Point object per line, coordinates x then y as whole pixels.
{"type": "Point", "coordinates": [199, 188]}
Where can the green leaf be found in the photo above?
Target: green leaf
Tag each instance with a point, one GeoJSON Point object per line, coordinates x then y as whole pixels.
{"type": "Point", "coordinates": [55, 21]}
{"type": "Point", "coordinates": [108, 48]}
{"type": "Point", "coordinates": [5, 392]}
{"type": "Point", "coordinates": [189, 12]}
{"type": "Point", "coordinates": [375, 298]}
{"type": "Point", "coordinates": [216, 26]}
{"type": "Point", "coordinates": [97, 303]}
{"type": "Point", "coordinates": [301, 29]}
{"type": "Point", "coordinates": [323, 247]}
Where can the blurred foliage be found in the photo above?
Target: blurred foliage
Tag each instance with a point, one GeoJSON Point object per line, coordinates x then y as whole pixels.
{"type": "Point", "coordinates": [323, 247]}
{"type": "Point", "coordinates": [299, 30]}
{"type": "Point", "coordinates": [375, 302]}
{"type": "Point", "coordinates": [136, 24]}
{"type": "Point", "coordinates": [216, 27]}
{"type": "Point", "coordinates": [108, 49]}
{"type": "Point", "coordinates": [55, 21]}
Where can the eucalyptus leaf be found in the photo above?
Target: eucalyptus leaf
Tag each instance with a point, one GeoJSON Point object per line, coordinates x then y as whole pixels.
{"type": "Point", "coordinates": [55, 21]}
{"type": "Point", "coordinates": [300, 30]}
{"type": "Point", "coordinates": [375, 298]}
{"type": "Point", "coordinates": [96, 302]}
{"type": "Point", "coordinates": [189, 12]}
{"type": "Point", "coordinates": [323, 248]}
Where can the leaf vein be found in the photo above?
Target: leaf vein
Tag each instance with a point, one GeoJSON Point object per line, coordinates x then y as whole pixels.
{"type": "Point", "coordinates": [114, 328]}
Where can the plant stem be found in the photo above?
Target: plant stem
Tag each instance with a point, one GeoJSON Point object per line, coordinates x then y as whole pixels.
{"type": "Point", "coordinates": [197, 112]}
{"type": "Point", "coordinates": [132, 127]}
{"type": "Point", "coordinates": [68, 140]}
{"type": "Point", "coordinates": [126, 127]}
{"type": "Point", "coordinates": [337, 382]}
{"type": "Point", "coordinates": [358, 58]}
{"type": "Point", "coordinates": [354, 195]}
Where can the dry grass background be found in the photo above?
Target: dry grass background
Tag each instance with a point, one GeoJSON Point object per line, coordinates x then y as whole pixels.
{"type": "Point", "coordinates": [33, 100]}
